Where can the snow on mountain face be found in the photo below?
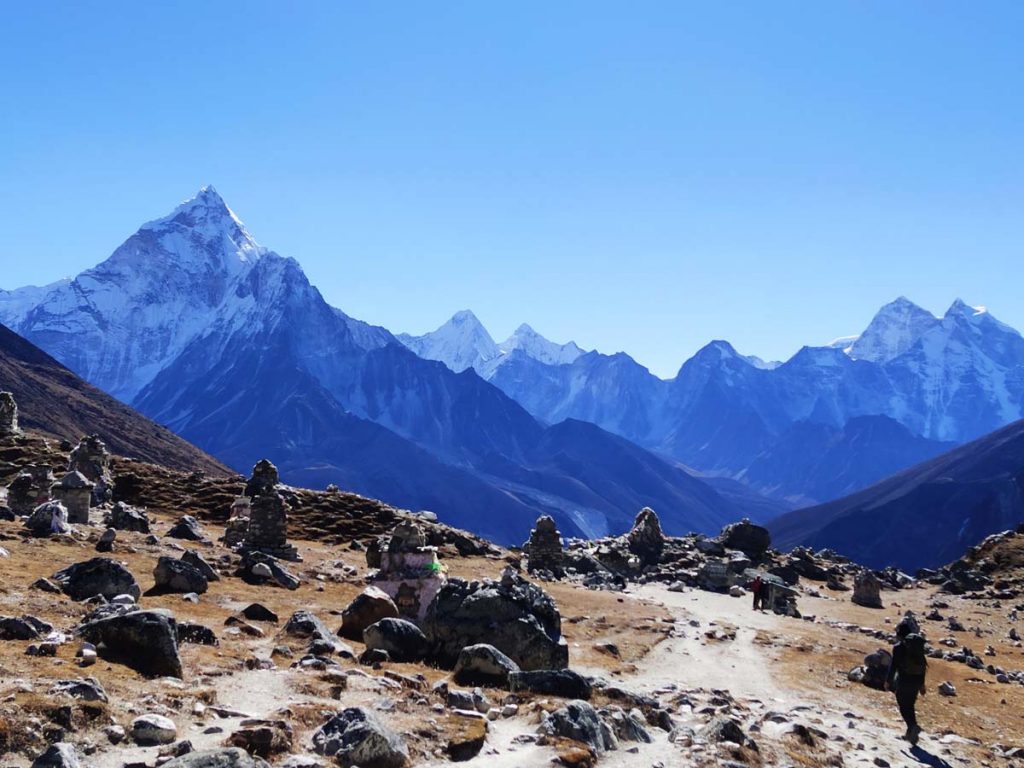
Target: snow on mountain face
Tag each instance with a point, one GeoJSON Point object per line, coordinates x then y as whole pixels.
{"type": "Point", "coordinates": [540, 349]}
{"type": "Point", "coordinates": [894, 330]}
{"type": "Point", "coordinates": [460, 343]}
{"type": "Point", "coordinates": [118, 324]}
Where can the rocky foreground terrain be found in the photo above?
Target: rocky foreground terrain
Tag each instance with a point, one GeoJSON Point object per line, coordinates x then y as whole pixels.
{"type": "Point", "coordinates": [158, 630]}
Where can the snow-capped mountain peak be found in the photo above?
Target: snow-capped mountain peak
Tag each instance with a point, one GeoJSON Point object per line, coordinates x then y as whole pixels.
{"type": "Point", "coordinates": [533, 345]}
{"type": "Point", "coordinates": [461, 343]}
{"type": "Point", "coordinates": [894, 329]}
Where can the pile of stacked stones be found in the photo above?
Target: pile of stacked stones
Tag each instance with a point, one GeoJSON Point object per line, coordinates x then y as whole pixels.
{"type": "Point", "coordinates": [8, 416]}
{"type": "Point", "coordinates": [267, 531]}
{"type": "Point", "coordinates": [92, 459]}
{"type": "Point", "coordinates": [543, 550]}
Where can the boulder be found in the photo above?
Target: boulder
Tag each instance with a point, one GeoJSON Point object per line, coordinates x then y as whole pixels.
{"type": "Point", "coordinates": [146, 641]}
{"type": "Point", "coordinates": [106, 542]}
{"type": "Point", "coordinates": [177, 576]}
{"type": "Point", "coordinates": [123, 517]}
{"type": "Point", "coordinates": [257, 612]}
{"type": "Point", "coordinates": [307, 626]}
{"type": "Point", "coordinates": [483, 664]}
{"type": "Point", "coordinates": [198, 562]}
{"type": "Point", "coordinates": [722, 729]}
{"type": "Point", "coordinates": [750, 539]}
{"type": "Point", "coordinates": [151, 730]}
{"type": "Point", "coordinates": [263, 738]}
{"type": "Point", "coordinates": [23, 628]}
{"type": "Point", "coordinates": [259, 568]}
{"type": "Point", "coordinates": [99, 576]}
{"type": "Point", "coordinates": [579, 721]}
{"type": "Point", "coordinates": [370, 606]}
{"type": "Point", "coordinates": [516, 617]}
{"type": "Point", "coordinates": [197, 634]}
{"type": "Point", "coordinates": [59, 755]}
{"type": "Point", "coordinates": [232, 757]}
{"type": "Point", "coordinates": [402, 639]}
{"type": "Point", "coordinates": [876, 669]}
{"type": "Point", "coordinates": [187, 528]}
{"type": "Point", "coordinates": [356, 737]}
{"type": "Point", "coordinates": [87, 689]}
{"type": "Point", "coordinates": [551, 682]}
{"type": "Point", "coordinates": [48, 518]}
{"type": "Point", "coordinates": [867, 589]}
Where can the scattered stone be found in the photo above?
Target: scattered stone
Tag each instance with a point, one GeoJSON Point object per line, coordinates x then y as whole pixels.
{"type": "Point", "coordinates": [24, 628]}
{"type": "Point", "coordinates": [177, 576]}
{"type": "Point", "coordinates": [123, 517]}
{"type": "Point", "coordinates": [232, 757]}
{"type": "Point", "coordinates": [187, 528]}
{"type": "Point", "coordinates": [198, 562]}
{"type": "Point", "coordinates": [370, 606]}
{"type": "Point", "coordinates": [45, 585]}
{"type": "Point", "coordinates": [947, 689]}
{"type": "Point", "coordinates": [257, 612]}
{"type": "Point", "coordinates": [60, 755]}
{"type": "Point", "coordinates": [106, 542]}
{"type": "Point", "coordinates": [263, 738]}
{"type": "Point", "coordinates": [150, 730]}
{"type": "Point", "coordinates": [98, 576]}
{"type": "Point", "coordinates": [516, 617]}
{"type": "Point", "coordinates": [260, 567]}
{"type": "Point", "coordinates": [402, 640]}
{"type": "Point", "coordinates": [551, 682]}
{"type": "Point", "coordinates": [197, 634]}
{"type": "Point", "coordinates": [87, 689]}
{"type": "Point", "coordinates": [356, 737]}
{"type": "Point", "coordinates": [723, 729]}
{"type": "Point", "coordinates": [579, 721]}
{"type": "Point", "coordinates": [483, 664]}
{"type": "Point", "coordinates": [146, 641]}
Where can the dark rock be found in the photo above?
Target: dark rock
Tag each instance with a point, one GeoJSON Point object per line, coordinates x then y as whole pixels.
{"type": "Point", "coordinates": [187, 528]}
{"type": "Point", "coordinates": [645, 538]}
{"type": "Point", "coordinates": [483, 664]}
{"type": "Point", "coordinates": [88, 689]}
{"type": "Point", "coordinates": [723, 729]}
{"type": "Point", "coordinates": [146, 641]}
{"type": "Point", "coordinates": [59, 755]}
{"type": "Point", "coordinates": [867, 589]}
{"type": "Point", "coordinates": [123, 517]}
{"type": "Point", "coordinates": [24, 628]}
{"type": "Point", "coordinates": [402, 639]}
{"type": "Point", "coordinates": [177, 576]}
{"type": "Point", "coordinates": [750, 539]}
{"type": "Point", "coordinates": [263, 738]}
{"type": "Point", "coordinates": [257, 612]}
{"type": "Point", "coordinates": [369, 607]}
{"type": "Point", "coordinates": [259, 568]}
{"type": "Point", "coordinates": [197, 561]}
{"type": "Point", "coordinates": [516, 617]}
{"type": "Point", "coordinates": [99, 576]}
{"type": "Point", "coordinates": [578, 721]}
{"type": "Point", "coordinates": [197, 634]}
{"type": "Point", "coordinates": [356, 737]}
{"type": "Point", "coordinates": [551, 682]}
{"type": "Point", "coordinates": [217, 758]}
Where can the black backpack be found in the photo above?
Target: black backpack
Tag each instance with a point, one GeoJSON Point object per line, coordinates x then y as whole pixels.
{"type": "Point", "coordinates": [914, 661]}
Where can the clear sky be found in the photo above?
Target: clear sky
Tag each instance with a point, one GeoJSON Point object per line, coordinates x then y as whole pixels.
{"type": "Point", "coordinates": [639, 176]}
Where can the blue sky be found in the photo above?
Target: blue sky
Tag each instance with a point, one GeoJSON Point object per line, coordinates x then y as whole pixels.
{"type": "Point", "coordinates": [635, 176]}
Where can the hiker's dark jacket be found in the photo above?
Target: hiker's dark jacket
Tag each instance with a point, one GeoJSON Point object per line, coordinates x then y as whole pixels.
{"type": "Point", "coordinates": [905, 680]}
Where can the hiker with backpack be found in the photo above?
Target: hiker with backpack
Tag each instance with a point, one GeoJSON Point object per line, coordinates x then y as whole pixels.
{"type": "Point", "coordinates": [757, 587]}
{"type": "Point", "coordinates": [907, 671]}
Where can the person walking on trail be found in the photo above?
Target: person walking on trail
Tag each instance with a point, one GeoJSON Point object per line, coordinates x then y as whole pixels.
{"type": "Point", "coordinates": [906, 676]}
{"type": "Point", "coordinates": [757, 587]}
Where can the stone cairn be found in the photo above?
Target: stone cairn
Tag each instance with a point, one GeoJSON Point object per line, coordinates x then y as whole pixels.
{"type": "Point", "coordinates": [544, 549]}
{"type": "Point", "coordinates": [646, 540]}
{"type": "Point", "coordinates": [74, 491]}
{"type": "Point", "coordinates": [30, 489]}
{"type": "Point", "coordinates": [238, 522]}
{"type": "Point", "coordinates": [268, 519]}
{"type": "Point", "coordinates": [92, 459]}
{"type": "Point", "coordinates": [410, 571]}
{"type": "Point", "coordinates": [8, 415]}
{"type": "Point", "coordinates": [867, 589]}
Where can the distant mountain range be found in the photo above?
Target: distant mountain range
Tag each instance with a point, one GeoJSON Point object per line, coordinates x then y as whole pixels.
{"type": "Point", "coordinates": [924, 516]}
{"type": "Point", "coordinates": [200, 328]}
{"type": "Point", "coordinates": [829, 421]}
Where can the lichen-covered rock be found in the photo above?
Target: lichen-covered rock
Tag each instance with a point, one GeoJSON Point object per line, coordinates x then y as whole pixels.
{"type": "Point", "coordinates": [356, 737]}
{"type": "Point", "coordinates": [146, 641]}
{"type": "Point", "coordinates": [483, 664]}
{"type": "Point", "coordinates": [98, 576]}
{"type": "Point", "coordinates": [516, 617]}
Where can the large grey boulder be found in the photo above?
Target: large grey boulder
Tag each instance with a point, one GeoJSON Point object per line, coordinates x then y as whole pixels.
{"type": "Point", "coordinates": [123, 517]}
{"type": "Point", "coordinates": [516, 617]}
{"type": "Point", "coordinates": [483, 664]}
{"type": "Point", "coordinates": [217, 758]}
{"type": "Point", "coordinates": [146, 641]}
{"type": "Point", "coordinates": [750, 539]}
{"type": "Point", "coordinates": [60, 755]}
{"type": "Point", "coordinates": [370, 606]}
{"type": "Point", "coordinates": [99, 576]}
{"type": "Point", "coordinates": [402, 639]}
{"type": "Point", "coordinates": [178, 576]}
{"type": "Point", "coordinates": [579, 721]}
{"type": "Point", "coordinates": [356, 737]}
{"type": "Point", "coordinates": [867, 589]}
{"type": "Point", "coordinates": [645, 538]}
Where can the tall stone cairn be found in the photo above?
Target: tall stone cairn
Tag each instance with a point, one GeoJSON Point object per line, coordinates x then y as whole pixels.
{"type": "Point", "coordinates": [92, 459]}
{"type": "Point", "coordinates": [8, 415]}
{"type": "Point", "coordinates": [544, 548]}
{"type": "Point", "coordinates": [646, 540]}
{"type": "Point", "coordinates": [867, 589]}
{"type": "Point", "coordinates": [268, 520]}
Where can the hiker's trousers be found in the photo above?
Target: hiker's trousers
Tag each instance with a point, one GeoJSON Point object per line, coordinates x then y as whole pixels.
{"type": "Point", "coordinates": [907, 690]}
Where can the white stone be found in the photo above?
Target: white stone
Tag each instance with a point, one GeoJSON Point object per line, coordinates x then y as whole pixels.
{"type": "Point", "coordinates": [153, 729]}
